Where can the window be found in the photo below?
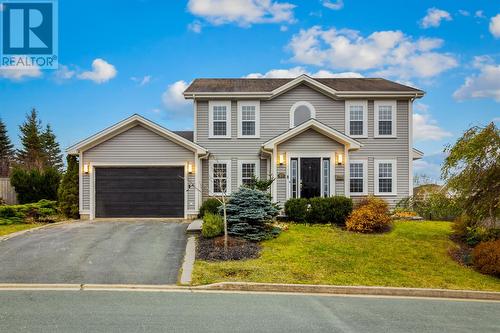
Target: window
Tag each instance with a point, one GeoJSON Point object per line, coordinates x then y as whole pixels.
{"type": "Point", "coordinates": [358, 177]}
{"type": "Point", "coordinates": [301, 112]}
{"type": "Point", "coordinates": [249, 119]}
{"type": "Point", "coordinates": [356, 118]}
{"type": "Point", "coordinates": [247, 170]}
{"type": "Point", "coordinates": [326, 177]}
{"type": "Point", "coordinates": [220, 177]}
{"type": "Point", "coordinates": [219, 119]}
{"type": "Point", "coordinates": [385, 119]}
{"type": "Point", "coordinates": [294, 170]}
{"type": "Point", "coordinates": [385, 177]}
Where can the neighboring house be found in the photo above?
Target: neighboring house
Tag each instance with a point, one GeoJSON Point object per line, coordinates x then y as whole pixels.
{"type": "Point", "coordinates": [316, 137]}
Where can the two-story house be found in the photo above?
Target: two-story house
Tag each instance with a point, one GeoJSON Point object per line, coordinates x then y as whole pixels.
{"type": "Point", "coordinates": [314, 136]}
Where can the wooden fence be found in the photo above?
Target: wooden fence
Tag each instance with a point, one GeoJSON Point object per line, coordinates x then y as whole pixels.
{"type": "Point", "coordinates": [7, 192]}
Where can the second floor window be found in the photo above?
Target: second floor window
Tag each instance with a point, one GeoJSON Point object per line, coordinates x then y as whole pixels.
{"type": "Point", "coordinates": [356, 118]}
{"type": "Point", "coordinates": [385, 118]}
{"type": "Point", "coordinates": [220, 119]}
{"type": "Point", "coordinates": [248, 119]}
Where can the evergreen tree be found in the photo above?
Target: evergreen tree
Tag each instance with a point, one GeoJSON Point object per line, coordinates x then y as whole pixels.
{"type": "Point", "coordinates": [31, 155]}
{"type": "Point", "coordinates": [6, 151]}
{"type": "Point", "coordinates": [68, 191]}
{"type": "Point", "coordinates": [51, 150]}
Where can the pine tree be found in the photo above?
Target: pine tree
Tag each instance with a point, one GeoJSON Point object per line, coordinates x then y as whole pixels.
{"type": "Point", "coordinates": [68, 190]}
{"type": "Point", "coordinates": [31, 155]}
{"type": "Point", "coordinates": [6, 151]}
{"type": "Point", "coordinates": [51, 150]}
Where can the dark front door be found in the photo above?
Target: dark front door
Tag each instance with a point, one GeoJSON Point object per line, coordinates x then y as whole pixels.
{"type": "Point", "coordinates": [139, 192]}
{"type": "Point", "coordinates": [310, 177]}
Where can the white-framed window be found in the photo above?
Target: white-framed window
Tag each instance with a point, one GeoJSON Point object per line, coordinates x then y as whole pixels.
{"type": "Point", "coordinates": [300, 112]}
{"type": "Point", "coordinates": [247, 170]}
{"type": "Point", "coordinates": [385, 119]}
{"type": "Point", "coordinates": [385, 177]}
{"type": "Point", "coordinates": [219, 119]}
{"type": "Point", "coordinates": [356, 115]}
{"type": "Point", "coordinates": [248, 119]}
{"type": "Point", "coordinates": [326, 177]}
{"type": "Point", "coordinates": [358, 177]}
{"type": "Point", "coordinates": [219, 177]}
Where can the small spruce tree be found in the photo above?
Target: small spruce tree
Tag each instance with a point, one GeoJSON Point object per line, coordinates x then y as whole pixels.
{"type": "Point", "coordinates": [31, 155]}
{"type": "Point", "coordinates": [6, 151]}
{"type": "Point", "coordinates": [51, 150]}
{"type": "Point", "coordinates": [68, 191]}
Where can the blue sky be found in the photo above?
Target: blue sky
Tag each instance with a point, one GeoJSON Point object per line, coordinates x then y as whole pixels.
{"type": "Point", "coordinates": [136, 57]}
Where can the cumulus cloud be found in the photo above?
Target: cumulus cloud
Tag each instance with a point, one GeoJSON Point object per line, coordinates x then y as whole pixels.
{"type": "Point", "coordinates": [172, 98]}
{"type": "Point", "coordinates": [20, 72]}
{"type": "Point", "coordinates": [334, 5]}
{"type": "Point", "coordinates": [142, 81]}
{"type": "Point", "coordinates": [242, 12]}
{"type": "Point", "coordinates": [296, 71]}
{"type": "Point", "coordinates": [195, 27]}
{"type": "Point", "coordinates": [495, 26]}
{"type": "Point", "coordinates": [101, 72]}
{"type": "Point", "coordinates": [426, 129]}
{"type": "Point", "coordinates": [434, 17]}
{"type": "Point", "coordinates": [388, 53]}
{"type": "Point", "coordinates": [64, 73]}
{"type": "Point", "coordinates": [463, 12]}
{"type": "Point", "coordinates": [485, 84]}
{"type": "Point", "coordinates": [479, 14]}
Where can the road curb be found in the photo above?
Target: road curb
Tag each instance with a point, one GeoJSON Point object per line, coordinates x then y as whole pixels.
{"type": "Point", "coordinates": [22, 232]}
{"type": "Point", "coordinates": [352, 290]}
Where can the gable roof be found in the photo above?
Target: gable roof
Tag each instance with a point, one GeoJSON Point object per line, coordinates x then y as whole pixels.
{"type": "Point", "coordinates": [317, 126]}
{"type": "Point", "coordinates": [188, 135]}
{"type": "Point", "coordinates": [181, 138]}
{"type": "Point", "coordinates": [270, 87]}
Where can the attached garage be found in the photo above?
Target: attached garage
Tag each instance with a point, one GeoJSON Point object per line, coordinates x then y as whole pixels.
{"type": "Point", "coordinates": [137, 168]}
{"type": "Point", "coordinates": [139, 192]}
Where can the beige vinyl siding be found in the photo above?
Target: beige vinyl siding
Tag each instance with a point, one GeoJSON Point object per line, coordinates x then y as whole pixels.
{"type": "Point", "coordinates": [136, 145]}
{"type": "Point", "coordinates": [263, 168]}
{"type": "Point", "coordinates": [339, 184]}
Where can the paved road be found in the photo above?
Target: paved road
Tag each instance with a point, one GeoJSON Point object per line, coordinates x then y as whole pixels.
{"type": "Point", "coordinates": [103, 252]}
{"type": "Point", "coordinates": [123, 311]}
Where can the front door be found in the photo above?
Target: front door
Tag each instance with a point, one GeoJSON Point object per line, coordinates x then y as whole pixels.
{"type": "Point", "coordinates": [310, 177]}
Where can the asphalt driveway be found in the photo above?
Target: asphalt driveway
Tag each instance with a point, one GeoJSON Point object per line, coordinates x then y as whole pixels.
{"type": "Point", "coordinates": [139, 252]}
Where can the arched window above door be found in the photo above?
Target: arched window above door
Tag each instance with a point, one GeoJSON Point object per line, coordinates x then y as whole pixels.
{"type": "Point", "coordinates": [301, 112]}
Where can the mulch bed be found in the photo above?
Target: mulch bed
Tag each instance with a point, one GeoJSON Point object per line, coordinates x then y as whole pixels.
{"type": "Point", "coordinates": [212, 249]}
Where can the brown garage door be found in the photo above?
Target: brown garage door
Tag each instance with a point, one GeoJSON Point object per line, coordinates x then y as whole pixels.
{"type": "Point", "coordinates": [139, 192]}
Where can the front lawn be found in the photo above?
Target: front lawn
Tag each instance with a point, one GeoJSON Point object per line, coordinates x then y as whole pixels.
{"type": "Point", "coordinates": [413, 254]}
{"type": "Point", "coordinates": [6, 229]}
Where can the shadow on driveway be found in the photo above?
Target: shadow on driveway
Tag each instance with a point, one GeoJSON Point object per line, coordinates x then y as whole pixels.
{"type": "Point", "coordinates": [104, 252]}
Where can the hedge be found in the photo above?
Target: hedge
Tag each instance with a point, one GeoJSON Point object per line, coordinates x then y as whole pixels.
{"type": "Point", "coordinates": [334, 209]}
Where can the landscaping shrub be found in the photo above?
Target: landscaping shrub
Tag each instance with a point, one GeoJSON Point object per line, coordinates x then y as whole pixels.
{"type": "Point", "coordinates": [318, 211]}
{"type": "Point", "coordinates": [371, 215]}
{"type": "Point", "coordinates": [254, 233]}
{"type": "Point", "coordinates": [435, 205]}
{"type": "Point", "coordinates": [211, 206]}
{"type": "Point", "coordinates": [471, 232]}
{"type": "Point", "coordinates": [213, 225]}
{"type": "Point", "coordinates": [68, 190]}
{"type": "Point", "coordinates": [296, 209]}
{"type": "Point", "coordinates": [37, 212]}
{"type": "Point", "coordinates": [33, 185]}
{"type": "Point", "coordinates": [339, 208]}
{"type": "Point", "coordinates": [486, 257]}
{"type": "Point", "coordinates": [250, 206]}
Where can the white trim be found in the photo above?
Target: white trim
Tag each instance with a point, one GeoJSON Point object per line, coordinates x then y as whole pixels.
{"type": "Point", "coordinates": [126, 124]}
{"type": "Point", "coordinates": [415, 154]}
{"type": "Point", "coordinates": [211, 179]}
{"type": "Point", "coordinates": [240, 104]}
{"type": "Point", "coordinates": [319, 127]}
{"type": "Point", "coordinates": [80, 185]}
{"type": "Point", "coordinates": [298, 104]}
{"type": "Point", "coordinates": [376, 163]}
{"type": "Point", "coordinates": [197, 175]}
{"type": "Point", "coordinates": [365, 177]}
{"type": "Point", "coordinates": [195, 121]}
{"type": "Point", "coordinates": [393, 104]}
{"type": "Point", "coordinates": [211, 105]}
{"type": "Point", "coordinates": [93, 165]}
{"type": "Point", "coordinates": [257, 169]}
{"type": "Point", "coordinates": [411, 151]}
{"type": "Point", "coordinates": [364, 104]}
{"type": "Point", "coordinates": [274, 173]}
{"type": "Point", "coordinates": [346, 172]}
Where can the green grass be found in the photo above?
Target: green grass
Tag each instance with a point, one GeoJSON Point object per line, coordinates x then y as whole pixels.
{"type": "Point", "coordinates": [6, 229]}
{"type": "Point", "coordinates": [413, 254]}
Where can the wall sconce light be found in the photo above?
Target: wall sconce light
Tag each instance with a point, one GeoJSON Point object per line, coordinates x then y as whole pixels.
{"type": "Point", "coordinates": [190, 168]}
{"type": "Point", "coordinates": [340, 159]}
{"type": "Point", "coordinates": [282, 159]}
{"type": "Point", "coordinates": [85, 168]}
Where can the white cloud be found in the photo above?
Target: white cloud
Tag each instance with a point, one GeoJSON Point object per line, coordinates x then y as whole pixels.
{"type": "Point", "coordinates": [142, 81]}
{"type": "Point", "coordinates": [20, 72]}
{"type": "Point", "coordinates": [425, 128]}
{"type": "Point", "coordinates": [156, 110]}
{"type": "Point", "coordinates": [434, 17]}
{"type": "Point", "coordinates": [463, 12]}
{"type": "Point", "coordinates": [419, 106]}
{"type": "Point", "coordinates": [389, 53]}
{"type": "Point", "coordinates": [173, 98]}
{"type": "Point", "coordinates": [296, 71]}
{"type": "Point", "coordinates": [334, 5]}
{"type": "Point", "coordinates": [195, 26]}
{"type": "Point", "coordinates": [283, 28]}
{"type": "Point", "coordinates": [479, 14]}
{"type": "Point", "coordinates": [495, 26]}
{"type": "Point", "coordinates": [485, 84]}
{"type": "Point", "coordinates": [429, 169]}
{"type": "Point", "coordinates": [64, 73]}
{"type": "Point", "coordinates": [101, 72]}
{"type": "Point", "coordinates": [242, 12]}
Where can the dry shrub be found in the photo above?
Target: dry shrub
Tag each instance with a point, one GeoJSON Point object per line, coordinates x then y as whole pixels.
{"type": "Point", "coordinates": [486, 257]}
{"type": "Point", "coordinates": [371, 215]}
